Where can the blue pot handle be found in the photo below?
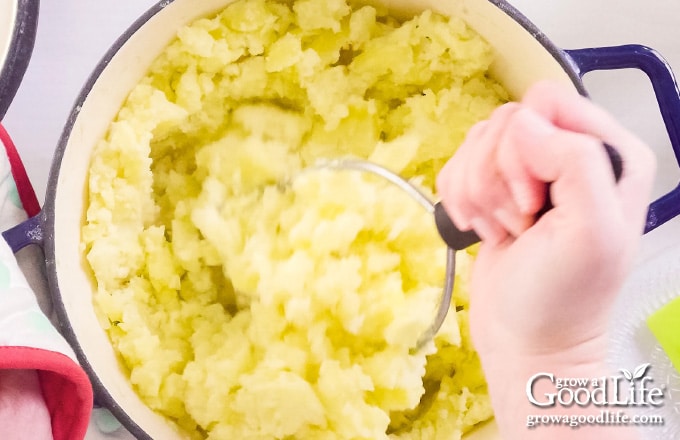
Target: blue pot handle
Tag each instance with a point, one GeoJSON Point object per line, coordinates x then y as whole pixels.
{"type": "Point", "coordinates": [27, 232]}
{"type": "Point", "coordinates": [663, 81]}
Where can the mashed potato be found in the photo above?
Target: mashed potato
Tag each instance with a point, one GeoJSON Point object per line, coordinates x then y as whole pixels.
{"type": "Point", "coordinates": [246, 308]}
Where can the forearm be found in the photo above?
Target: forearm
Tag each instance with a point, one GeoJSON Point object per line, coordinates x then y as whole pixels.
{"type": "Point", "coordinates": [527, 392]}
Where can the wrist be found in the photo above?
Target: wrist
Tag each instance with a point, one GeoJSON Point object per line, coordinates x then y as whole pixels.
{"type": "Point", "coordinates": [509, 368]}
{"type": "Point", "coordinates": [508, 374]}
{"type": "Point", "coordinates": [521, 384]}
{"type": "Point", "coordinates": [510, 328]}
{"type": "Point", "coordinates": [524, 386]}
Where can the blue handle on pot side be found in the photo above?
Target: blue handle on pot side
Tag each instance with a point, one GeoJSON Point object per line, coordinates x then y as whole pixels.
{"type": "Point", "coordinates": [665, 87]}
{"type": "Point", "coordinates": [27, 232]}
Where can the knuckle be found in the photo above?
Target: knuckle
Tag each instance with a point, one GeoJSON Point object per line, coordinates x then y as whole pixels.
{"type": "Point", "coordinates": [647, 160]}
{"type": "Point", "coordinates": [582, 148]}
{"type": "Point", "coordinates": [477, 130]}
{"type": "Point", "coordinates": [507, 161]}
{"type": "Point", "coordinates": [505, 109]}
{"type": "Point", "coordinates": [477, 187]}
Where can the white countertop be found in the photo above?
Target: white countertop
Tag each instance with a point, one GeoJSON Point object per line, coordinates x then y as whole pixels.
{"type": "Point", "coordinates": [627, 94]}
{"type": "Point", "coordinates": [74, 34]}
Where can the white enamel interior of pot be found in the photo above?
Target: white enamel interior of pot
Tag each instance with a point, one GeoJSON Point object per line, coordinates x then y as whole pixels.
{"type": "Point", "coordinates": [521, 62]}
{"type": "Point", "coordinates": [8, 15]}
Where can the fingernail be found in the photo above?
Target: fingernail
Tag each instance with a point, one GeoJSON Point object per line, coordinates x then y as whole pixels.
{"type": "Point", "coordinates": [506, 219]}
{"type": "Point", "coordinates": [442, 182]}
{"type": "Point", "coordinates": [460, 220]}
{"type": "Point", "coordinates": [523, 197]}
{"type": "Point", "coordinates": [485, 230]}
{"type": "Point", "coordinates": [533, 126]}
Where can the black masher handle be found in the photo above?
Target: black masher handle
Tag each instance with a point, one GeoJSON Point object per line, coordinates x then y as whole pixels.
{"type": "Point", "coordinates": [458, 240]}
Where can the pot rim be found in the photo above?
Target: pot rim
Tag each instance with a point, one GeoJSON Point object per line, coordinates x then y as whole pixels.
{"type": "Point", "coordinates": [19, 51]}
{"type": "Point", "coordinates": [102, 395]}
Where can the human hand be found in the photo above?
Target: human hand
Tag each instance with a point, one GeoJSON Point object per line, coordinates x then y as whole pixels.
{"type": "Point", "coordinates": [547, 285]}
{"type": "Point", "coordinates": [542, 289]}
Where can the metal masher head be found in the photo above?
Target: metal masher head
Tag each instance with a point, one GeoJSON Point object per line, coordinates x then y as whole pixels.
{"type": "Point", "coordinates": [441, 219]}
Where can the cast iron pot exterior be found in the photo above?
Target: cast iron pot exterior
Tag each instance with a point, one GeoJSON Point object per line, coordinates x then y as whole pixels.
{"type": "Point", "coordinates": [57, 227]}
{"type": "Point", "coordinates": [20, 48]}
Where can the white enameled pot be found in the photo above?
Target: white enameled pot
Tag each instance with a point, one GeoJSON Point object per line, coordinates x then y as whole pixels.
{"type": "Point", "coordinates": [523, 56]}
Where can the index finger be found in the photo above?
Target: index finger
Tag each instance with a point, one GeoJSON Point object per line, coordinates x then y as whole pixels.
{"type": "Point", "coordinates": [568, 110]}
